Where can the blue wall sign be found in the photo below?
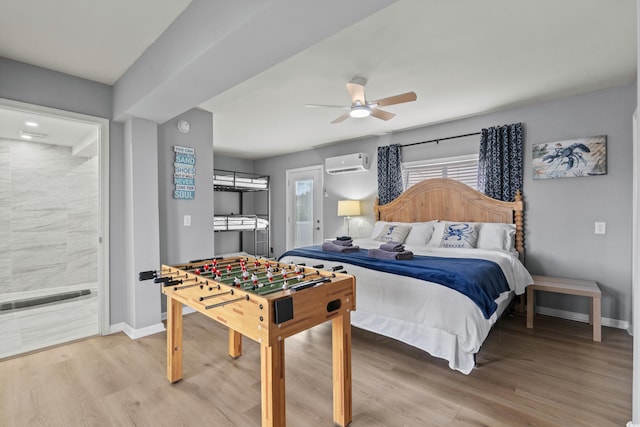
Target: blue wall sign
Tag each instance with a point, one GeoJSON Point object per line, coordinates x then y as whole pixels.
{"type": "Point", "coordinates": [184, 173]}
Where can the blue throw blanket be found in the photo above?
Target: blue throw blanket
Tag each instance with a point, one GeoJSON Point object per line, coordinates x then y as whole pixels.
{"type": "Point", "coordinates": [481, 280]}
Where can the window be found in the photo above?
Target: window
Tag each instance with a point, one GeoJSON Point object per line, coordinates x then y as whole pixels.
{"type": "Point", "coordinates": [461, 168]}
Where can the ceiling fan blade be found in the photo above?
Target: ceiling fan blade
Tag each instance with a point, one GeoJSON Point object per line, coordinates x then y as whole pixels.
{"type": "Point", "coordinates": [398, 99]}
{"type": "Point", "coordinates": [341, 118]}
{"type": "Point", "coordinates": [381, 114]}
{"type": "Point", "coordinates": [356, 91]}
{"type": "Point", "coordinates": [344, 107]}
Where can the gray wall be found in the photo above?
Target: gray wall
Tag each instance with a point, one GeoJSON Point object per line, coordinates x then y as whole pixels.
{"type": "Point", "coordinates": [177, 242]}
{"type": "Point", "coordinates": [35, 85]}
{"type": "Point", "coordinates": [560, 214]}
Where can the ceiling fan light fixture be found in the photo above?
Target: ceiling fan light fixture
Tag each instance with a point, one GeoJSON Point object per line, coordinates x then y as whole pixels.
{"type": "Point", "coordinates": [360, 111]}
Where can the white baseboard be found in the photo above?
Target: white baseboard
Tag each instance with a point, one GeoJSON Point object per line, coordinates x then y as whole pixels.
{"type": "Point", "coordinates": [136, 333]}
{"type": "Point", "coordinates": [631, 424]}
{"type": "Point", "coordinates": [582, 317]}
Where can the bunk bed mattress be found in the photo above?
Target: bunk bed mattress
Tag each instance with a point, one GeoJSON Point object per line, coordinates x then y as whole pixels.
{"type": "Point", "coordinates": [240, 182]}
{"type": "Point", "coordinates": [426, 315]}
{"type": "Point", "coordinates": [235, 223]}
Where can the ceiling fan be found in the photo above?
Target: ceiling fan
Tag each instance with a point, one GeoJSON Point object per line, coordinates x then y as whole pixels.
{"type": "Point", "coordinates": [360, 107]}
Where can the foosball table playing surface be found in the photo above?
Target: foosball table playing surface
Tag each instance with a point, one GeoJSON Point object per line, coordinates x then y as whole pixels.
{"type": "Point", "coordinates": [267, 302]}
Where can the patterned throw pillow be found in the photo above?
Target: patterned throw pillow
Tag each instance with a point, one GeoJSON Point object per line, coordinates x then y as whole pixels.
{"type": "Point", "coordinates": [392, 232]}
{"type": "Point", "coordinates": [459, 235]}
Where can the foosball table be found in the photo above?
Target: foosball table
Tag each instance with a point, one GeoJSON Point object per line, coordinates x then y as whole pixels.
{"type": "Point", "coordinates": [267, 302]}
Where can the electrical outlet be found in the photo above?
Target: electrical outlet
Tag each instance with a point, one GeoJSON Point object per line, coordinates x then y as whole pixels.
{"type": "Point", "coordinates": [600, 228]}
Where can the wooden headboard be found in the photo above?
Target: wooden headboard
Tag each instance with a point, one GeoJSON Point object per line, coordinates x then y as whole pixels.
{"type": "Point", "coordinates": [450, 200]}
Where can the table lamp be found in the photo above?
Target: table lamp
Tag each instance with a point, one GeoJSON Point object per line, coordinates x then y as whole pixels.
{"type": "Point", "coordinates": [347, 209]}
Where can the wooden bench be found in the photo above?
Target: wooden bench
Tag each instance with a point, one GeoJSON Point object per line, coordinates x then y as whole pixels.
{"type": "Point", "coordinates": [559, 285]}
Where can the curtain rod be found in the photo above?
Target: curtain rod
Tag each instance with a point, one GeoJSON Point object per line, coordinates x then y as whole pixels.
{"type": "Point", "coordinates": [441, 139]}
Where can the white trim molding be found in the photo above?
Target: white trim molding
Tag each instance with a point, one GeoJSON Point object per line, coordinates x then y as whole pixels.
{"type": "Point", "coordinates": [582, 317]}
{"type": "Point", "coordinates": [134, 334]}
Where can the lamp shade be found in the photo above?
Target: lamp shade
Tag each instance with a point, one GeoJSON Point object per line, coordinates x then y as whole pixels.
{"type": "Point", "coordinates": [349, 208]}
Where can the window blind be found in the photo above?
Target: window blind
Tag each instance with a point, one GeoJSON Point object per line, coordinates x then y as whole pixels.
{"type": "Point", "coordinates": [462, 168]}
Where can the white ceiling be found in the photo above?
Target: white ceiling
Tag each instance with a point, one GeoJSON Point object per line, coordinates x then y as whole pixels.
{"type": "Point", "coordinates": [461, 57]}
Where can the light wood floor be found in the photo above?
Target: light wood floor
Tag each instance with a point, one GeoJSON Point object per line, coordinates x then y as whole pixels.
{"type": "Point", "coordinates": [553, 375]}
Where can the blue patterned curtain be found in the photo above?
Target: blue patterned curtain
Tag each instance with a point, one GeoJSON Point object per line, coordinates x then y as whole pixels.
{"type": "Point", "coordinates": [389, 173]}
{"type": "Point", "coordinates": [500, 161]}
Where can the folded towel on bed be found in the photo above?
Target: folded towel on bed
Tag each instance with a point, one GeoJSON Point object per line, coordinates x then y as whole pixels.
{"type": "Point", "coordinates": [343, 242]}
{"type": "Point", "coordinates": [392, 246]}
{"type": "Point", "coordinates": [332, 247]}
{"type": "Point", "coordinates": [382, 254]}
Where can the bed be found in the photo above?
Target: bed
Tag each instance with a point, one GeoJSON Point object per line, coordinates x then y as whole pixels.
{"type": "Point", "coordinates": [442, 320]}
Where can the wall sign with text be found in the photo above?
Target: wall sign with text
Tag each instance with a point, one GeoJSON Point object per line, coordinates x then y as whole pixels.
{"type": "Point", "coordinates": [184, 173]}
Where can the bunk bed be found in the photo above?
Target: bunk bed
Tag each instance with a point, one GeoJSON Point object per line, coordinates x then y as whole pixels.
{"type": "Point", "coordinates": [254, 222]}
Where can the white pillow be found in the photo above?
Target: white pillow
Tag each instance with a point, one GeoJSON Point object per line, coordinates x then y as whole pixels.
{"type": "Point", "coordinates": [377, 228]}
{"type": "Point", "coordinates": [459, 235]}
{"type": "Point", "coordinates": [420, 232]}
{"type": "Point", "coordinates": [436, 236]}
{"type": "Point", "coordinates": [497, 236]}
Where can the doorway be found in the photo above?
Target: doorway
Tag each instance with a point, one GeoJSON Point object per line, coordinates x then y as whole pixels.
{"type": "Point", "coordinates": [53, 227]}
{"type": "Point", "coordinates": [304, 206]}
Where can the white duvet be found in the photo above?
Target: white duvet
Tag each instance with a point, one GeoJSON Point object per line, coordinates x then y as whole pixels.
{"type": "Point", "coordinates": [432, 317]}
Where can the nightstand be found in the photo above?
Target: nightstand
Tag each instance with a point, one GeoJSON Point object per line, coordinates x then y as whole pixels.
{"type": "Point", "coordinates": [587, 288]}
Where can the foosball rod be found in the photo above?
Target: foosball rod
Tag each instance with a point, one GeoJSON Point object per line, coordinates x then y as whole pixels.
{"type": "Point", "coordinates": [297, 285]}
{"type": "Point", "coordinates": [223, 303]}
{"type": "Point", "coordinates": [216, 295]}
{"type": "Point", "coordinates": [297, 278]}
{"type": "Point", "coordinates": [250, 286]}
{"type": "Point", "coordinates": [300, 286]}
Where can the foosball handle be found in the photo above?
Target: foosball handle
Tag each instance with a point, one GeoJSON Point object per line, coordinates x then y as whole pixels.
{"type": "Point", "coordinates": [147, 275]}
{"type": "Point", "coordinates": [336, 268]}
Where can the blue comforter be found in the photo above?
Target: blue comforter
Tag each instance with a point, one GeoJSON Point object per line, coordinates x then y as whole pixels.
{"type": "Point", "coordinates": [480, 280]}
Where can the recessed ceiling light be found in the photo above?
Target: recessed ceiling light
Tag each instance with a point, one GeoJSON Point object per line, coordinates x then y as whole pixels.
{"type": "Point", "coordinates": [28, 134]}
{"type": "Point", "coordinates": [31, 124]}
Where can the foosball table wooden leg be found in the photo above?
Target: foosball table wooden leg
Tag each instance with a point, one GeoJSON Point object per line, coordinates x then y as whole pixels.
{"type": "Point", "coordinates": [174, 340]}
{"type": "Point", "coordinates": [235, 343]}
{"type": "Point", "coordinates": [341, 351]}
{"type": "Point", "coordinates": [272, 385]}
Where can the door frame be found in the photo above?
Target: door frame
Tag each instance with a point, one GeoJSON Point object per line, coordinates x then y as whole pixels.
{"type": "Point", "coordinates": [102, 125]}
{"type": "Point", "coordinates": [289, 202]}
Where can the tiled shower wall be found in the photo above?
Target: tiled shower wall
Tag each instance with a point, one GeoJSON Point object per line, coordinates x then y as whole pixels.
{"type": "Point", "coordinates": [48, 217]}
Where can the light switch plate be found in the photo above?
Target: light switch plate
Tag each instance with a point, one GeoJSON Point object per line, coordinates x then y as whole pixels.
{"type": "Point", "coordinates": [600, 228]}
{"type": "Point", "coordinates": [187, 220]}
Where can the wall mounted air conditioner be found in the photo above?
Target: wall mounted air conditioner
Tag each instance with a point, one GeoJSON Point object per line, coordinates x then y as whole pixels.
{"type": "Point", "coordinates": [348, 163]}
